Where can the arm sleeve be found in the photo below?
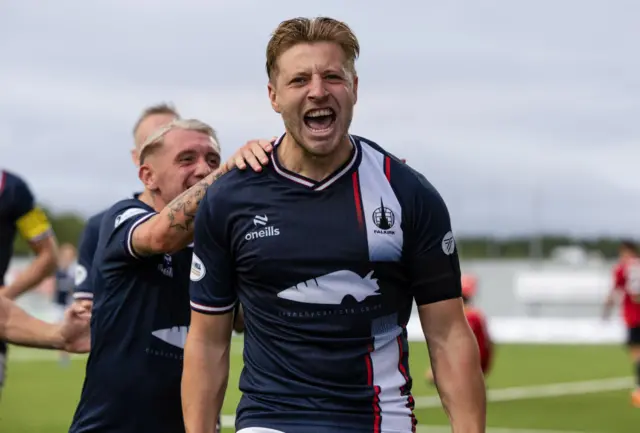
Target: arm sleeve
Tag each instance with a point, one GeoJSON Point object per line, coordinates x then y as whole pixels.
{"type": "Point", "coordinates": [212, 287]}
{"type": "Point", "coordinates": [86, 251]}
{"type": "Point", "coordinates": [31, 221]}
{"type": "Point", "coordinates": [619, 278]}
{"type": "Point", "coordinates": [117, 227]}
{"type": "Point", "coordinates": [434, 267]}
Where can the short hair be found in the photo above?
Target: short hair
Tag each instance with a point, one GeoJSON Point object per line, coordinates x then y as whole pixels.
{"type": "Point", "coordinates": [309, 30]}
{"type": "Point", "coordinates": [629, 245]}
{"type": "Point", "coordinates": [156, 139]}
{"type": "Point", "coordinates": [162, 108]}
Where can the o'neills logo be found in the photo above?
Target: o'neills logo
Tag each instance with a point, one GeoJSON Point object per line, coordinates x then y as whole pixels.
{"type": "Point", "coordinates": [262, 233]}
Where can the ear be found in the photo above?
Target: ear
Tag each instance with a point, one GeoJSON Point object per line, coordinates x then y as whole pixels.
{"type": "Point", "coordinates": [355, 89]}
{"type": "Point", "coordinates": [271, 88]}
{"type": "Point", "coordinates": [148, 177]}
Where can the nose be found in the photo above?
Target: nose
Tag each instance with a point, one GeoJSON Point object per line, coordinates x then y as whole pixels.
{"type": "Point", "coordinates": [317, 88]}
{"type": "Point", "coordinates": [202, 169]}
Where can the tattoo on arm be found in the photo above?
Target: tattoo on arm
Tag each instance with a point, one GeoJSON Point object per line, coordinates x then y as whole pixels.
{"type": "Point", "coordinates": [182, 210]}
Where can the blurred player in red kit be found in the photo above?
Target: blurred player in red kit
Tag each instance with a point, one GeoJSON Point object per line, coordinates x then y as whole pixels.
{"type": "Point", "coordinates": [626, 277]}
{"type": "Point", "coordinates": [478, 325]}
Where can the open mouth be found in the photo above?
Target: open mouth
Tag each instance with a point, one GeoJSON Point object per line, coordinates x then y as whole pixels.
{"type": "Point", "coordinates": [320, 120]}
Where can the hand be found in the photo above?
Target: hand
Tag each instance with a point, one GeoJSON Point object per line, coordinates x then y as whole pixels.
{"type": "Point", "coordinates": [86, 304]}
{"type": "Point", "coordinates": [75, 330]}
{"type": "Point", "coordinates": [254, 152]}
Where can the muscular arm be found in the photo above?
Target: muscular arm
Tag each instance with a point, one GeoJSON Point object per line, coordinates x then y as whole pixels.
{"type": "Point", "coordinates": [172, 229]}
{"type": "Point", "coordinates": [18, 327]}
{"type": "Point", "coordinates": [456, 364]}
{"type": "Point", "coordinates": [206, 370]}
{"type": "Point", "coordinates": [41, 267]}
{"type": "Point", "coordinates": [435, 282]}
{"type": "Point", "coordinates": [213, 300]}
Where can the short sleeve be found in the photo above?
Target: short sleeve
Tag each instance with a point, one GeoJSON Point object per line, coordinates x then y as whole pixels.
{"type": "Point", "coordinates": [619, 277]}
{"type": "Point", "coordinates": [212, 287]}
{"type": "Point", "coordinates": [86, 251]}
{"type": "Point", "coordinates": [117, 227]}
{"type": "Point", "coordinates": [432, 256]}
{"type": "Point", "coordinates": [31, 221]}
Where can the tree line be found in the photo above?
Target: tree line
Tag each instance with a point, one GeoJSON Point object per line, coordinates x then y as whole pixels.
{"type": "Point", "coordinates": [68, 228]}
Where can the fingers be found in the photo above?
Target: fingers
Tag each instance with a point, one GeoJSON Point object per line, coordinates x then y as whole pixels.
{"type": "Point", "coordinates": [255, 154]}
{"type": "Point", "coordinates": [266, 145]}
{"type": "Point", "coordinates": [80, 310]}
{"type": "Point", "coordinates": [85, 303]}
{"type": "Point", "coordinates": [238, 160]}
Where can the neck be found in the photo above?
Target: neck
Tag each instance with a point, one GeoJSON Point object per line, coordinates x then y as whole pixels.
{"type": "Point", "coordinates": [295, 158]}
{"type": "Point", "coordinates": [152, 199]}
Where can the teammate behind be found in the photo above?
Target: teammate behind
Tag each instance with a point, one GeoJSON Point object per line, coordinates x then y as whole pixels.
{"type": "Point", "coordinates": [478, 325]}
{"type": "Point", "coordinates": [140, 279]}
{"type": "Point", "coordinates": [151, 118]}
{"type": "Point", "coordinates": [626, 285]}
{"type": "Point", "coordinates": [326, 249]}
{"type": "Point", "coordinates": [19, 214]}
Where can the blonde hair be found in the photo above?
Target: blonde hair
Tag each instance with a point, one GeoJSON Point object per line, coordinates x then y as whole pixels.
{"type": "Point", "coordinates": [309, 30]}
{"type": "Point", "coordinates": [156, 139]}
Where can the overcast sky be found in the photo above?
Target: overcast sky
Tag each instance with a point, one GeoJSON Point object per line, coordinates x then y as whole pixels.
{"type": "Point", "coordinates": [524, 114]}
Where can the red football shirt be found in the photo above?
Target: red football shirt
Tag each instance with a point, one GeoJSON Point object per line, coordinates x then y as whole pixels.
{"type": "Point", "coordinates": [627, 279]}
{"type": "Point", "coordinates": [478, 325]}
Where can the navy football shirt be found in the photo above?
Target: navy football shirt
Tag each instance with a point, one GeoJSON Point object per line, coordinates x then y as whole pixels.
{"type": "Point", "coordinates": [138, 328]}
{"type": "Point", "coordinates": [327, 273]}
{"type": "Point", "coordinates": [86, 251]}
{"type": "Point", "coordinates": [18, 214]}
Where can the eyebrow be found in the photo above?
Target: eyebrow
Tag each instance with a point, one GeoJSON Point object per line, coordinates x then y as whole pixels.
{"type": "Point", "coordinates": [191, 152]}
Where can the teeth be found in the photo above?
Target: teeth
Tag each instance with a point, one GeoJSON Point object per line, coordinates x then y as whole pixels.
{"type": "Point", "coordinates": [320, 112]}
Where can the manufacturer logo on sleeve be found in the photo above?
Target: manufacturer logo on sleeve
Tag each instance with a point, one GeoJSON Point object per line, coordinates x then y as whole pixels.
{"type": "Point", "coordinates": [448, 243]}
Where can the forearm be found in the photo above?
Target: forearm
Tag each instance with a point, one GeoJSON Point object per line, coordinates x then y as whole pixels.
{"type": "Point", "coordinates": [204, 382]}
{"type": "Point", "coordinates": [40, 268]}
{"type": "Point", "coordinates": [459, 379]}
{"type": "Point", "coordinates": [172, 228]}
{"type": "Point", "coordinates": [18, 327]}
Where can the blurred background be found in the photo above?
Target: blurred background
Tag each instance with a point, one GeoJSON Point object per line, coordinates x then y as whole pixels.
{"type": "Point", "coordinates": [523, 114]}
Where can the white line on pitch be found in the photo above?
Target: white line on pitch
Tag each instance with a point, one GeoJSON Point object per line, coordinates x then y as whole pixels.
{"type": "Point", "coordinates": [542, 391]}
{"type": "Point", "coordinates": [519, 393]}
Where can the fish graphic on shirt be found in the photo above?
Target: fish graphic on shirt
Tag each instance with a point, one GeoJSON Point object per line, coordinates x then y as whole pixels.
{"type": "Point", "coordinates": [330, 289]}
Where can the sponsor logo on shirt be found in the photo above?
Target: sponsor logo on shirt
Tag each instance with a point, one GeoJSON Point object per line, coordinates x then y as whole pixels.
{"type": "Point", "coordinates": [331, 289]}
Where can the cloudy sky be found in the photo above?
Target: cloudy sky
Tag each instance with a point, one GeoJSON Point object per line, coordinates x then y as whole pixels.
{"type": "Point", "coordinates": [524, 114]}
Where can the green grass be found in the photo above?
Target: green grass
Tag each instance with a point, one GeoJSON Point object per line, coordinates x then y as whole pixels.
{"type": "Point", "coordinates": [41, 395]}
